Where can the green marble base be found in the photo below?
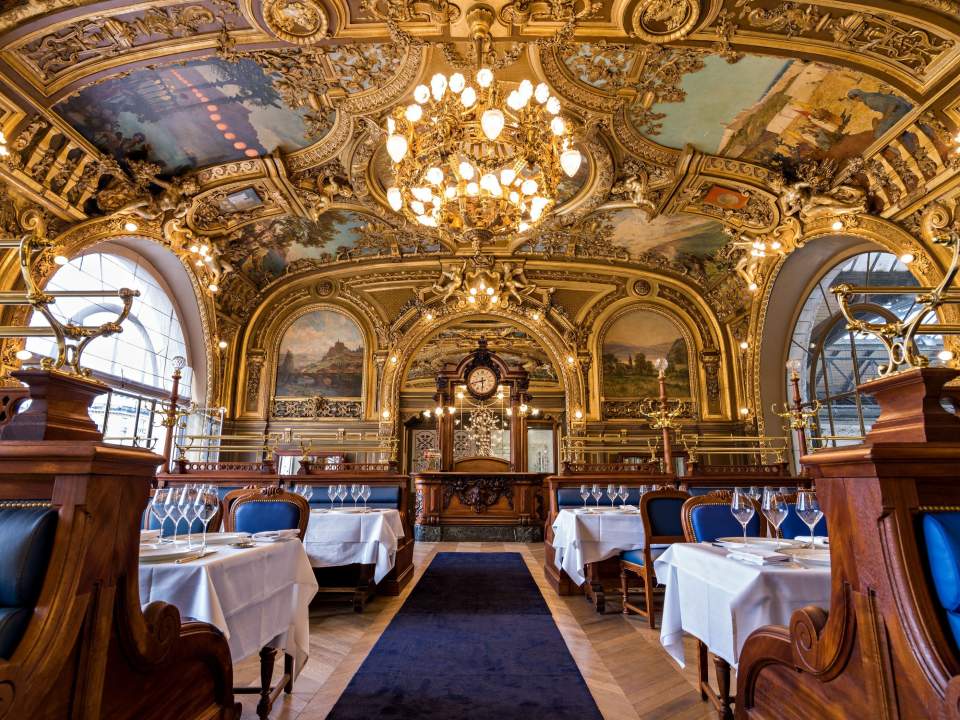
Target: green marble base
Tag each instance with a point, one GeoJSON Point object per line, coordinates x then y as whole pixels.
{"type": "Point", "coordinates": [478, 533]}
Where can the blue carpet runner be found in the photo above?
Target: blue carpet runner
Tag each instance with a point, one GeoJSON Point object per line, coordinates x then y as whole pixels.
{"type": "Point", "coordinates": [474, 641]}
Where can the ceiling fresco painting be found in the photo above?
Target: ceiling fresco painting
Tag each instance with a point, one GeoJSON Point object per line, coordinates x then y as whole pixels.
{"type": "Point", "coordinates": [450, 345]}
{"type": "Point", "coordinates": [187, 116]}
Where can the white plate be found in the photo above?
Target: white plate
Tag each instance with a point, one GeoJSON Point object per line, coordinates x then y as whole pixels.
{"type": "Point", "coordinates": [814, 556]}
{"type": "Point", "coordinates": [165, 553]}
{"type": "Point", "coordinates": [759, 542]}
{"type": "Point", "coordinates": [226, 538]}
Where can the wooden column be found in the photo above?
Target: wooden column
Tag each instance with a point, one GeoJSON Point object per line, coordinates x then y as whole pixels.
{"type": "Point", "coordinates": [667, 449]}
{"type": "Point", "coordinates": [445, 428]}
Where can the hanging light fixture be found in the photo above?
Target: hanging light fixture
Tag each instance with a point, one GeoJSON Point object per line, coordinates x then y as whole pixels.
{"type": "Point", "coordinates": [476, 158]}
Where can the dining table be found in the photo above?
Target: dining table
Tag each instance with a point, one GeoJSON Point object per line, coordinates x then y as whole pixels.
{"type": "Point", "coordinates": [348, 535]}
{"type": "Point", "coordinates": [582, 537]}
{"type": "Point", "coordinates": [720, 600]}
{"type": "Point", "coordinates": [258, 596]}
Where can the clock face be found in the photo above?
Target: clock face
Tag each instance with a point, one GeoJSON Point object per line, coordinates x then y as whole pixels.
{"type": "Point", "coordinates": [482, 382]}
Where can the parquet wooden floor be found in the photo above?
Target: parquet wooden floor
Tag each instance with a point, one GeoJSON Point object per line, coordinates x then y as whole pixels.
{"type": "Point", "coordinates": [622, 662]}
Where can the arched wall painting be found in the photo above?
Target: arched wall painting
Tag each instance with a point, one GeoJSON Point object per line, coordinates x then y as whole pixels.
{"type": "Point", "coordinates": [630, 346]}
{"type": "Point", "coordinates": [321, 354]}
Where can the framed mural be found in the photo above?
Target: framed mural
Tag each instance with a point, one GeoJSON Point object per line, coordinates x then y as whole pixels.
{"type": "Point", "coordinates": [630, 345]}
{"type": "Point", "coordinates": [321, 354]}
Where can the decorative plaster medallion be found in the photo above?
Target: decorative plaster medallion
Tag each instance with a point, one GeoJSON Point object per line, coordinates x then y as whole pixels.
{"type": "Point", "coordinates": [303, 22]}
{"type": "Point", "coordinates": [326, 288]}
{"type": "Point", "coordinates": [663, 21]}
{"type": "Point", "coordinates": [642, 287]}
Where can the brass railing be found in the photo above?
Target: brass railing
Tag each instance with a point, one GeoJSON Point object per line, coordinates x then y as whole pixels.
{"type": "Point", "coordinates": [764, 449]}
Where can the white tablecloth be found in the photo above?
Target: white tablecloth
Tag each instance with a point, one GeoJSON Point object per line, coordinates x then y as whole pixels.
{"type": "Point", "coordinates": [580, 538]}
{"type": "Point", "coordinates": [721, 601]}
{"type": "Point", "coordinates": [338, 538]}
{"type": "Point", "coordinates": [257, 596]}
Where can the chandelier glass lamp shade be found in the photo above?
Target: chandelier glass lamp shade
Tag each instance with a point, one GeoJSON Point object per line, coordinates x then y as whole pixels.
{"type": "Point", "coordinates": [468, 160]}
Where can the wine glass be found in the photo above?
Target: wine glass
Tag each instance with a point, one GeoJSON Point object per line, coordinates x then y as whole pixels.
{"type": "Point", "coordinates": [774, 509]}
{"type": "Point", "coordinates": [342, 494]}
{"type": "Point", "coordinates": [188, 496]}
{"type": "Point", "coordinates": [584, 494]}
{"type": "Point", "coordinates": [158, 507]}
{"type": "Point", "coordinates": [624, 493]}
{"type": "Point", "coordinates": [741, 505]}
{"type": "Point", "coordinates": [597, 494]}
{"type": "Point", "coordinates": [205, 507]}
{"type": "Point", "coordinates": [172, 504]}
{"type": "Point", "coordinates": [355, 494]}
{"type": "Point", "coordinates": [808, 509]}
{"type": "Point", "coordinates": [365, 494]}
{"type": "Point", "coordinates": [613, 494]}
{"type": "Point", "coordinates": [332, 494]}
{"type": "Point", "coordinates": [307, 492]}
{"type": "Point", "coordinates": [754, 493]}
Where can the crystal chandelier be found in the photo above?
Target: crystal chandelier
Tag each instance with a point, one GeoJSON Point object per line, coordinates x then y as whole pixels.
{"type": "Point", "coordinates": [468, 161]}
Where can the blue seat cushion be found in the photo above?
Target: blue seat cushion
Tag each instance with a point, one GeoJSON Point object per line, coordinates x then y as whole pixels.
{"type": "Point", "coordinates": [941, 534]}
{"type": "Point", "coordinates": [26, 536]}
{"type": "Point", "coordinates": [570, 497]}
{"type": "Point", "coordinates": [636, 556]}
{"type": "Point", "coordinates": [260, 515]}
{"type": "Point", "coordinates": [13, 623]}
{"type": "Point", "coordinates": [715, 521]}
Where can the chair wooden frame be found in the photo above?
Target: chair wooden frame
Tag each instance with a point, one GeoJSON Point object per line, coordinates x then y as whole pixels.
{"type": "Point", "coordinates": [722, 699]}
{"type": "Point", "coordinates": [645, 571]}
{"type": "Point", "coordinates": [235, 498]}
{"type": "Point", "coordinates": [268, 655]}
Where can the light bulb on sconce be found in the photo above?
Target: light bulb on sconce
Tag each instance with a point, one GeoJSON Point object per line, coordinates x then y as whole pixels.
{"type": "Point", "coordinates": [744, 345]}
{"type": "Point", "coordinates": [130, 226]}
{"type": "Point", "coordinates": [661, 365]}
{"type": "Point", "coordinates": [570, 360]}
{"type": "Point", "coordinates": [385, 414]}
{"type": "Point", "coordinates": [837, 225]}
{"type": "Point", "coordinates": [793, 366]}
{"type": "Point", "coordinates": [945, 356]}
{"type": "Point", "coordinates": [907, 258]}
{"type": "Point", "coordinates": [578, 414]}
{"type": "Point", "coordinates": [393, 359]}
{"type": "Point", "coordinates": [222, 344]}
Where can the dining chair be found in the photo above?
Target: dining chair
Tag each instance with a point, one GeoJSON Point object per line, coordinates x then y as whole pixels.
{"type": "Point", "coordinates": [256, 510]}
{"type": "Point", "coordinates": [708, 517]}
{"type": "Point", "coordinates": [660, 515]}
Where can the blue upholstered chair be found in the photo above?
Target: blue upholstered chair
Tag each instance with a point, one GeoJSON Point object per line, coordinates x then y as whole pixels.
{"type": "Point", "coordinates": [941, 535]}
{"type": "Point", "coordinates": [660, 513]}
{"type": "Point", "coordinates": [26, 536]}
{"type": "Point", "coordinates": [708, 517]}
{"type": "Point", "coordinates": [268, 508]}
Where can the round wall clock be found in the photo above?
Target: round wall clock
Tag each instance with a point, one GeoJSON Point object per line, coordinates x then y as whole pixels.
{"type": "Point", "coordinates": [482, 382]}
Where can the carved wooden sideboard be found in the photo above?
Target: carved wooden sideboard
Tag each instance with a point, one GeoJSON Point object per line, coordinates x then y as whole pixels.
{"type": "Point", "coordinates": [90, 651]}
{"type": "Point", "coordinates": [881, 649]}
{"type": "Point", "coordinates": [479, 505]}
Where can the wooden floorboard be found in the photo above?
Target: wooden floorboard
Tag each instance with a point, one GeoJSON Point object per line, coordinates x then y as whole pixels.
{"type": "Point", "coordinates": [626, 670]}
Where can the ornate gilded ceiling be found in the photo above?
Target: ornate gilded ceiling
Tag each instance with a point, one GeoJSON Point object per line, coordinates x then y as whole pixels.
{"type": "Point", "coordinates": [254, 129]}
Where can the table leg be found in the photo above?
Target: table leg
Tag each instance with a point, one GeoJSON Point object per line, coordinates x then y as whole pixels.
{"type": "Point", "coordinates": [625, 590]}
{"type": "Point", "coordinates": [703, 669]}
{"type": "Point", "coordinates": [288, 672]}
{"type": "Point", "coordinates": [723, 684]}
{"type": "Point", "coordinates": [595, 595]}
{"type": "Point", "coordinates": [268, 656]}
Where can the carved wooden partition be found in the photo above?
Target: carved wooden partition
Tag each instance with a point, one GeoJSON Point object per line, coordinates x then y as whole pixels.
{"type": "Point", "coordinates": [879, 650]}
{"type": "Point", "coordinates": [90, 651]}
{"type": "Point", "coordinates": [731, 476]}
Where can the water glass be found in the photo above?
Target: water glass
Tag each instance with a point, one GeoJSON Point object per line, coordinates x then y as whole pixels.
{"type": "Point", "coordinates": [355, 494]}
{"type": "Point", "coordinates": [808, 509]}
{"type": "Point", "coordinates": [624, 493]}
{"type": "Point", "coordinates": [754, 493]}
{"type": "Point", "coordinates": [613, 493]}
{"type": "Point", "coordinates": [774, 509]}
{"type": "Point", "coordinates": [741, 505]}
{"type": "Point", "coordinates": [307, 492]}
{"type": "Point", "coordinates": [342, 494]}
{"type": "Point", "coordinates": [332, 494]}
{"type": "Point", "coordinates": [597, 494]}
{"type": "Point", "coordinates": [188, 496]}
{"type": "Point", "coordinates": [584, 494]}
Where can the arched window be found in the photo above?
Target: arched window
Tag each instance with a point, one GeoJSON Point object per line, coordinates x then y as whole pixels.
{"type": "Point", "coordinates": [137, 363]}
{"type": "Point", "coordinates": [834, 361]}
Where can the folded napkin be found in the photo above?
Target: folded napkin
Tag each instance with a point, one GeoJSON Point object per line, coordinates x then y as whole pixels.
{"type": "Point", "coordinates": [758, 556]}
{"type": "Point", "coordinates": [276, 535]}
{"type": "Point", "coordinates": [817, 539]}
{"type": "Point", "coordinates": [149, 536]}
